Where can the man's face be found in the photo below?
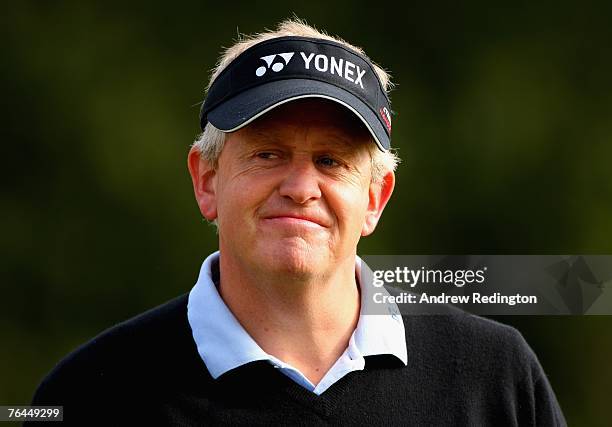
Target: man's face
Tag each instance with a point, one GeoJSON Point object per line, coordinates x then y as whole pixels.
{"type": "Point", "coordinates": [292, 192]}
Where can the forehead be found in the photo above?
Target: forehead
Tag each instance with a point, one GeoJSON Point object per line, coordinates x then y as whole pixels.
{"type": "Point", "coordinates": [314, 115]}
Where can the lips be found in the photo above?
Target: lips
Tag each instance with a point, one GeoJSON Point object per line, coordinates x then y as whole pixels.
{"type": "Point", "coordinates": [298, 217]}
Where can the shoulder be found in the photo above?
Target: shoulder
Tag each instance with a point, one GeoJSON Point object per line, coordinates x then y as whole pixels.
{"type": "Point", "coordinates": [130, 357]}
{"type": "Point", "coordinates": [473, 341]}
{"type": "Point", "coordinates": [487, 360]}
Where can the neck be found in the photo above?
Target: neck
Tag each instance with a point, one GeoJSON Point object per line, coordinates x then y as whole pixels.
{"type": "Point", "coordinates": [305, 321]}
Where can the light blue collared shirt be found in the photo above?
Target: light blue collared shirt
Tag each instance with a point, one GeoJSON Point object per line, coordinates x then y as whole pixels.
{"type": "Point", "coordinates": [223, 344]}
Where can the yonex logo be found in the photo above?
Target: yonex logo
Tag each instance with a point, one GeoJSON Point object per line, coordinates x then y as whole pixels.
{"type": "Point", "coordinates": [276, 66]}
{"type": "Point", "coordinates": [341, 67]}
{"type": "Point", "coordinates": [322, 63]}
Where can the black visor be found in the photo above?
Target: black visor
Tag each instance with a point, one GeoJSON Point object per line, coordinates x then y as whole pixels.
{"type": "Point", "coordinates": [284, 69]}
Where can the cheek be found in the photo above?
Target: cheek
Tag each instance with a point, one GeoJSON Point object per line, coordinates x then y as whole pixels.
{"type": "Point", "coordinates": [230, 204]}
{"type": "Point", "coordinates": [239, 198]}
{"type": "Point", "coordinates": [350, 206]}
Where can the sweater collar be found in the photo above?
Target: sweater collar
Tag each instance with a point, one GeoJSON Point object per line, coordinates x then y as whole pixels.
{"type": "Point", "coordinates": [223, 344]}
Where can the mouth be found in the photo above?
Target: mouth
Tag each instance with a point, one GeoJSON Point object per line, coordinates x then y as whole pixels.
{"type": "Point", "coordinates": [294, 219]}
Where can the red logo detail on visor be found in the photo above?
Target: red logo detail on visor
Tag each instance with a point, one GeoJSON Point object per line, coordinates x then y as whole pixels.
{"type": "Point", "coordinates": [386, 116]}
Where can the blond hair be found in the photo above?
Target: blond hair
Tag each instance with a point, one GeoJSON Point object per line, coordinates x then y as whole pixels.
{"type": "Point", "coordinates": [210, 142]}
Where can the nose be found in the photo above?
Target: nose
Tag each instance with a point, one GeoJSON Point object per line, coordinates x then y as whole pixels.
{"type": "Point", "coordinates": [301, 182]}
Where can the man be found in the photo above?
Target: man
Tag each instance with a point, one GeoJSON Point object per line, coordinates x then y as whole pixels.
{"type": "Point", "coordinates": [294, 167]}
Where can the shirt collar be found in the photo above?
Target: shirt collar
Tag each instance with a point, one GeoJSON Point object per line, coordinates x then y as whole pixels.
{"type": "Point", "coordinates": [223, 344]}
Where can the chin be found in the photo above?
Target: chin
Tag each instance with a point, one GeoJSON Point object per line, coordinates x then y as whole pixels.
{"type": "Point", "coordinates": [295, 257]}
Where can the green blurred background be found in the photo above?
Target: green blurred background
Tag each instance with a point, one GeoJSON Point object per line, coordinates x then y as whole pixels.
{"type": "Point", "coordinates": [503, 119]}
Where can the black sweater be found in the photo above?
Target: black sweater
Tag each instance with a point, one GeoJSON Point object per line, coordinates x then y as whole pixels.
{"type": "Point", "coordinates": [462, 370]}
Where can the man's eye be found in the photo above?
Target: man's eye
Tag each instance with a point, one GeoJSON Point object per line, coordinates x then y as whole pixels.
{"type": "Point", "coordinates": [327, 162]}
{"type": "Point", "coordinates": [267, 155]}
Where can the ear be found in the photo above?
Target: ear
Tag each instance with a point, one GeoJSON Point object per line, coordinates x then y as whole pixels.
{"type": "Point", "coordinates": [379, 195]}
{"type": "Point", "coordinates": [203, 176]}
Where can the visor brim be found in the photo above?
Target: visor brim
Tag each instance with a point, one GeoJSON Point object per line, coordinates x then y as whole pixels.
{"type": "Point", "coordinates": [250, 104]}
